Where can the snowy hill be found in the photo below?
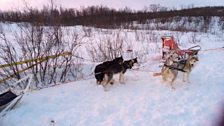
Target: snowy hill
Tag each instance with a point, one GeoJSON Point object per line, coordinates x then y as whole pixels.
{"type": "Point", "coordinates": [143, 100]}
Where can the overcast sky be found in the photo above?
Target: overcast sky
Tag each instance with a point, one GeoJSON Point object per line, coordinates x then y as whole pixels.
{"type": "Point", "coordinates": [133, 4]}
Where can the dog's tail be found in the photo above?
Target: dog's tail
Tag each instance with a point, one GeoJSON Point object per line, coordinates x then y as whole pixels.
{"type": "Point", "coordinates": [157, 74]}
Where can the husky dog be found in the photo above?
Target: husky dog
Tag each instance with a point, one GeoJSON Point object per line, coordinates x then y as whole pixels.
{"type": "Point", "coordinates": [171, 68]}
{"type": "Point", "coordinates": [118, 67]}
{"type": "Point", "coordinates": [99, 69]}
{"type": "Point", "coordinates": [128, 64]}
{"type": "Point", "coordinates": [189, 65]}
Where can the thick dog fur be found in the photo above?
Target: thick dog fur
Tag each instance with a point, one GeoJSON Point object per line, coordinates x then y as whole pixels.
{"type": "Point", "coordinates": [128, 64]}
{"type": "Point", "coordinates": [172, 68]}
{"type": "Point", "coordinates": [118, 68]}
{"type": "Point", "coordinates": [99, 69]}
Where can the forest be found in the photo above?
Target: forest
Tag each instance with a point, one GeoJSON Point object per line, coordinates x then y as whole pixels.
{"type": "Point", "coordinates": [104, 17]}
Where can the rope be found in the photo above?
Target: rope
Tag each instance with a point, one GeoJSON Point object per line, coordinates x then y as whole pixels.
{"type": "Point", "coordinates": [151, 71]}
{"type": "Point", "coordinates": [36, 59]}
{"type": "Point", "coordinates": [20, 71]}
{"type": "Point", "coordinates": [171, 67]}
{"type": "Point", "coordinates": [82, 58]}
{"type": "Point", "coordinates": [205, 50]}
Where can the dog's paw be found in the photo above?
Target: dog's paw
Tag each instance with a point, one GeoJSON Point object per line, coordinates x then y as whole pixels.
{"type": "Point", "coordinates": [172, 86]}
{"type": "Point", "coordinates": [106, 89]}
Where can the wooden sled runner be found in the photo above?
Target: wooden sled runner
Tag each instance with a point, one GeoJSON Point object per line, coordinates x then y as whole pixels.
{"type": "Point", "coordinates": [9, 99]}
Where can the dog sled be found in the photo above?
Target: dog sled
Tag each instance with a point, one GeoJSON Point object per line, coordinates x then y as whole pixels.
{"type": "Point", "coordinates": [171, 49]}
{"type": "Point", "coordinates": [10, 98]}
{"type": "Point", "coordinates": [169, 44]}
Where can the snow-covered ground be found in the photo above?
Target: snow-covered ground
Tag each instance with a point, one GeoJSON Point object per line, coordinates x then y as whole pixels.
{"type": "Point", "coordinates": [144, 100]}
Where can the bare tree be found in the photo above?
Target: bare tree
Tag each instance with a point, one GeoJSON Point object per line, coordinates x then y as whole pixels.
{"type": "Point", "coordinates": [108, 47]}
{"type": "Point", "coordinates": [41, 46]}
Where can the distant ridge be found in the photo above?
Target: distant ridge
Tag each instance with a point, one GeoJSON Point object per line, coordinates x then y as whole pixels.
{"type": "Point", "coordinates": [100, 16]}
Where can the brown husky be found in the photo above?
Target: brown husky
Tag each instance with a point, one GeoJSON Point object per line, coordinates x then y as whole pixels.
{"type": "Point", "coordinates": [171, 68]}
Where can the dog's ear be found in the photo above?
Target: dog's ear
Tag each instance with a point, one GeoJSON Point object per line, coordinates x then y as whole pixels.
{"type": "Point", "coordinates": [196, 58]}
{"type": "Point", "coordinates": [122, 57]}
{"type": "Point", "coordinates": [195, 53]}
{"type": "Point", "coordinates": [136, 60]}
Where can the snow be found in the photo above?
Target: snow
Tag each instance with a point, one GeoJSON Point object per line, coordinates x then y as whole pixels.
{"type": "Point", "coordinates": [144, 100]}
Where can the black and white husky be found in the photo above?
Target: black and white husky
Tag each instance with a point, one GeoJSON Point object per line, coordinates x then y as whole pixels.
{"type": "Point", "coordinates": [99, 69]}
{"type": "Point", "coordinates": [117, 68]}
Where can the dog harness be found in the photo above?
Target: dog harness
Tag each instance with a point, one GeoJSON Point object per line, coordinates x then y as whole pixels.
{"type": "Point", "coordinates": [178, 64]}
